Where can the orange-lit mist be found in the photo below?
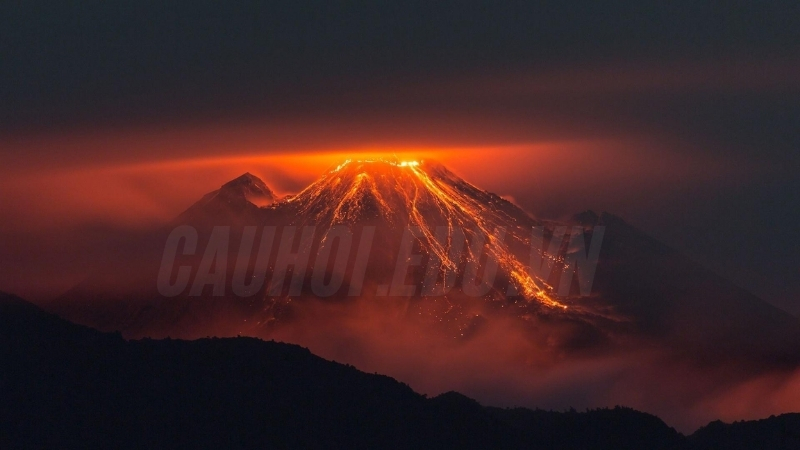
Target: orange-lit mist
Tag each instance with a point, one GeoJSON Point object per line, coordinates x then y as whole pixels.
{"type": "Point", "coordinates": [539, 175]}
{"type": "Point", "coordinates": [503, 364]}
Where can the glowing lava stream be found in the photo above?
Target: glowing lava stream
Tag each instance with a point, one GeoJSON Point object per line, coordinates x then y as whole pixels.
{"type": "Point", "coordinates": [398, 188]}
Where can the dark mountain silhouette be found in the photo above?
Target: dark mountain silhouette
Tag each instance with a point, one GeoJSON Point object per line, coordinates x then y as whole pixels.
{"type": "Point", "coordinates": [775, 432]}
{"type": "Point", "coordinates": [238, 199]}
{"type": "Point", "coordinates": [676, 301]}
{"type": "Point", "coordinates": [69, 386]}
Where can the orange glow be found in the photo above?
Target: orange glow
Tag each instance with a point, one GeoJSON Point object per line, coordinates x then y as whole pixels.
{"type": "Point", "coordinates": [553, 143]}
{"type": "Point", "coordinates": [577, 174]}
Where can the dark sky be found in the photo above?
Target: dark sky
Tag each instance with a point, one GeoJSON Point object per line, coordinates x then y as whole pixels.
{"type": "Point", "coordinates": [72, 62]}
{"type": "Point", "coordinates": [714, 85]}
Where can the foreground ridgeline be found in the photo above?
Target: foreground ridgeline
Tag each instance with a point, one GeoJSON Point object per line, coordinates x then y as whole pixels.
{"type": "Point", "coordinates": [68, 386]}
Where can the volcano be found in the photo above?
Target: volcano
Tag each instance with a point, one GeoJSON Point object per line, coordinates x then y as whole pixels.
{"type": "Point", "coordinates": [446, 235]}
{"type": "Point", "coordinates": [393, 196]}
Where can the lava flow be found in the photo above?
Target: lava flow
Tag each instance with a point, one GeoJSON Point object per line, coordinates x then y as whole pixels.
{"type": "Point", "coordinates": [425, 195]}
